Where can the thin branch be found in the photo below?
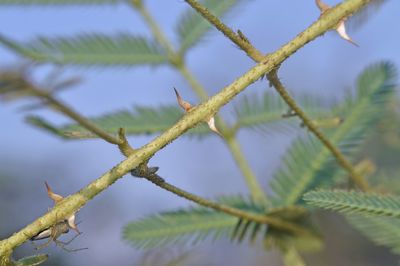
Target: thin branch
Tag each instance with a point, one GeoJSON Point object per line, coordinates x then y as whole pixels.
{"type": "Point", "coordinates": [73, 203]}
{"type": "Point", "coordinates": [264, 219]}
{"type": "Point", "coordinates": [66, 110]}
{"type": "Point", "coordinates": [176, 60]}
{"type": "Point", "coordinates": [255, 55]}
{"type": "Point", "coordinates": [359, 180]}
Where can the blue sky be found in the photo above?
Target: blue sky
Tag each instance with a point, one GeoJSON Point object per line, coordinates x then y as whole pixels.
{"type": "Point", "coordinates": [325, 67]}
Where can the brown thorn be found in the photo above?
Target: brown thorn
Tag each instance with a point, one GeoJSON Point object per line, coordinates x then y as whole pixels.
{"type": "Point", "coordinates": [55, 197]}
{"type": "Point", "coordinates": [182, 103]}
{"type": "Point", "coordinates": [322, 6]}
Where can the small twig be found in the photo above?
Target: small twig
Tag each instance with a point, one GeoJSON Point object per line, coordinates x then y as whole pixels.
{"type": "Point", "coordinates": [340, 158]}
{"type": "Point", "coordinates": [68, 111]}
{"type": "Point", "coordinates": [264, 219]}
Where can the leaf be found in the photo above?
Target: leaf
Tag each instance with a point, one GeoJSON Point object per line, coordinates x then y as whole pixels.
{"type": "Point", "coordinates": [60, 2]}
{"type": "Point", "coordinates": [383, 231]}
{"type": "Point", "coordinates": [192, 27]}
{"type": "Point", "coordinates": [185, 226]}
{"type": "Point", "coordinates": [355, 202]}
{"type": "Point", "coordinates": [139, 121]}
{"type": "Point", "coordinates": [258, 112]}
{"type": "Point", "coordinates": [308, 164]}
{"type": "Point", "coordinates": [90, 49]}
{"type": "Point", "coordinates": [32, 260]}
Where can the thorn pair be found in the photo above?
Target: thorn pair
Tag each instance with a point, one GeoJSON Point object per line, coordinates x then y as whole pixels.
{"type": "Point", "coordinates": [57, 198]}
{"type": "Point", "coordinates": [341, 27]}
{"type": "Point", "coordinates": [187, 106]}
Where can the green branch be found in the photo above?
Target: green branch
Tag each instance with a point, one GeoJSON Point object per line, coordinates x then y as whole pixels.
{"type": "Point", "coordinates": [177, 61]}
{"type": "Point", "coordinates": [359, 180]}
{"type": "Point", "coordinates": [76, 201]}
{"type": "Point", "coordinates": [256, 55]}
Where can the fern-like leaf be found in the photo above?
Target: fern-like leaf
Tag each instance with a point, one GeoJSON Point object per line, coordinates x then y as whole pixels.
{"type": "Point", "coordinates": [60, 2]}
{"type": "Point", "coordinates": [140, 121]}
{"type": "Point", "coordinates": [383, 231]}
{"type": "Point", "coordinates": [308, 164]}
{"type": "Point", "coordinates": [259, 112]}
{"type": "Point", "coordinates": [90, 49]}
{"type": "Point", "coordinates": [192, 27]}
{"type": "Point", "coordinates": [185, 226]}
{"type": "Point", "coordinates": [355, 202]}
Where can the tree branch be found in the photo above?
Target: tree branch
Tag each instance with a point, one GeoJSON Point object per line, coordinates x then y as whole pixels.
{"type": "Point", "coordinates": [76, 201]}
{"type": "Point", "coordinates": [256, 55]}
{"type": "Point", "coordinates": [176, 59]}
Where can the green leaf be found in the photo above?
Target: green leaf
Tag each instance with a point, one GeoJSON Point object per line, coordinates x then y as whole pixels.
{"type": "Point", "coordinates": [259, 112]}
{"type": "Point", "coordinates": [192, 27]}
{"type": "Point", "coordinates": [383, 231]}
{"type": "Point", "coordinates": [308, 164]}
{"type": "Point", "coordinates": [32, 260]}
{"type": "Point", "coordinates": [355, 202]}
{"type": "Point", "coordinates": [139, 121]}
{"type": "Point", "coordinates": [60, 2]}
{"type": "Point", "coordinates": [185, 226]}
{"type": "Point", "coordinates": [90, 49]}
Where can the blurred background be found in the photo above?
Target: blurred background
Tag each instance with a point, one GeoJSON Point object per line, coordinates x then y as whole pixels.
{"type": "Point", "coordinates": [28, 156]}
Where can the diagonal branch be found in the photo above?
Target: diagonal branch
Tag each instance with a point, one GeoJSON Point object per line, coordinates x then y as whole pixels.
{"type": "Point", "coordinates": [178, 62]}
{"type": "Point", "coordinates": [256, 55]}
{"type": "Point", "coordinates": [76, 201]}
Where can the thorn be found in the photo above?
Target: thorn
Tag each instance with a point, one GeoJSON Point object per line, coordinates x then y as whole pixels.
{"type": "Point", "coordinates": [211, 125]}
{"type": "Point", "coordinates": [322, 6]}
{"type": "Point", "coordinates": [71, 223]}
{"type": "Point", "coordinates": [182, 103]}
{"type": "Point", "coordinates": [341, 30]}
{"type": "Point", "coordinates": [55, 197]}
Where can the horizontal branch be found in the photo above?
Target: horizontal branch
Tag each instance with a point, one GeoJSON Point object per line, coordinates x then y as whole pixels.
{"type": "Point", "coordinates": [76, 201]}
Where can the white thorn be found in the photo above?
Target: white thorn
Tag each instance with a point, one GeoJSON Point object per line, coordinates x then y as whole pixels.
{"type": "Point", "coordinates": [341, 30]}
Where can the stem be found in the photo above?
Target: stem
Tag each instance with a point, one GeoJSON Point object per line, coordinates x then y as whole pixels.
{"type": "Point", "coordinates": [256, 55]}
{"type": "Point", "coordinates": [257, 194]}
{"type": "Point", "coordinates": [273, 221]}
{"type": "Point", "coordinates": [61, 107]}
{"type": "Point", "coordinates": [359, 180]}
{"type": "Point", "coordinates": [76, 201]}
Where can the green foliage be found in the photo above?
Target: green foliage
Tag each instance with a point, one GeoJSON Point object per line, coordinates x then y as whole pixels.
{"type": "Point", "coordinates": [192, 27]}
{"type": "Point", "coordinates": [139, 121]}
{"type": "Point", "coordinates": [308, 164]}
{"type": "Point", "coordinates": [384, 231]}
{"type": "Point", "coordinates": [259, 112]}
{"type": "Point", "coordinates": [185, 226]}
{"type": "Point", "coordinates": [355, 202]}
{"type": "Point", "coordinates": [198, 224]}
{"type": "Point", "coordinates": [90, 49]}
{"type": "Point", "coordinates": [32, 260]}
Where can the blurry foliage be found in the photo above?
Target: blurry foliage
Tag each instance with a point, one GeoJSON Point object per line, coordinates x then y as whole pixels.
{"type": "Point", "coordinates": [367, 120]}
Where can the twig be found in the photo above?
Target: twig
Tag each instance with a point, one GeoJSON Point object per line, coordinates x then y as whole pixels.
{"type": "Point", "coordinates": [264, 219]}
{"type": "Point", "coordinates": [359, 180]}
{"type": "Point", "coordinates": [73, 203]}
{"type": "Point", "coordinates": [63, 108]}
{"type": "Point", "coordinates": [256, 55]}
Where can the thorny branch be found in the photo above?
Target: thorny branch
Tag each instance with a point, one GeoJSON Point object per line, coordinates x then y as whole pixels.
{"type": "Point", "coordinates": [256, 55]}
{"type": "Point", "coordinates": [74, 202]}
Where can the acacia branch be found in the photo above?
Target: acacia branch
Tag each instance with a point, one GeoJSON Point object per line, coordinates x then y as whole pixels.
{"type": "Point", "coordinates": [177, 60]}
{"type": "Point", "coordinates": [76, 201]}
{"type": "Point", "coordinates": [256, 55]}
